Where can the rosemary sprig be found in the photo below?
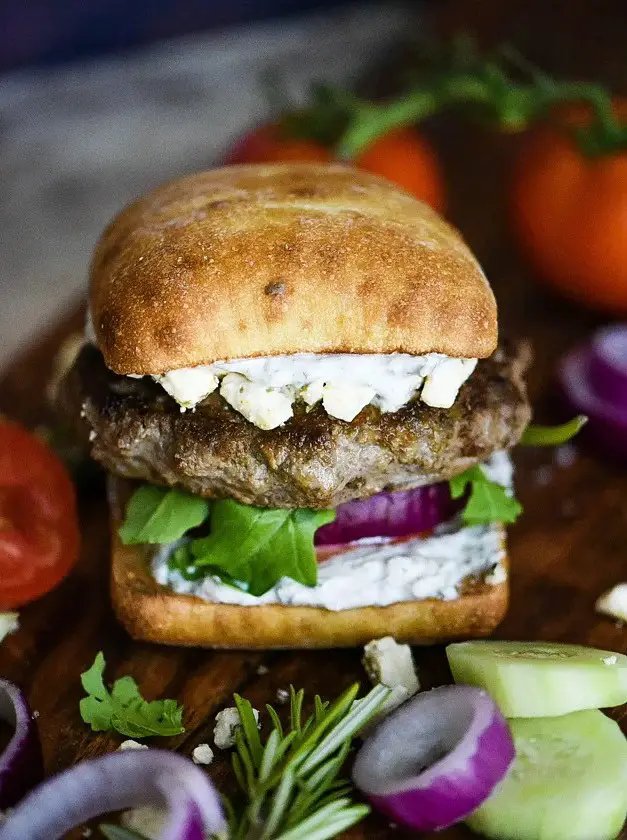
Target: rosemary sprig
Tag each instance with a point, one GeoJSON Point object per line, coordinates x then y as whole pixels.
{"type": "Point", "coordinates": [291, 785]}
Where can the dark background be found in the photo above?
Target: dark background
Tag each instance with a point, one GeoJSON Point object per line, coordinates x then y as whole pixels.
{"type": "Point", "coordinates": [52, 31]}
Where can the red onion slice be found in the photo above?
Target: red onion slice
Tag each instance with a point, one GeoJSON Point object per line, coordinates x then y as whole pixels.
{"type": "Point", "coordinates": [116, 782]}
{"type": "Point", "coordinates": [594, 381]}
{"type": "Point", "coordinates": [608, 366]}
{"type": "Point", "coordinates": [21, 764]}
{"type": "Point", "coordinates": [398, 514]}
{"type": "Point", "coordinates": [437, 758]}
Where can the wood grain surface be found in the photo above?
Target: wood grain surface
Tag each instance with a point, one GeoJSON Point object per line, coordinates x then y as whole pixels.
{"type": "Point", "coordinates": [567, 548]}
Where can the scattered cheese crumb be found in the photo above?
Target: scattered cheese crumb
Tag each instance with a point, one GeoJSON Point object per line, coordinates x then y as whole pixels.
{"type": "Point", "coordinates": [35, 715]}
{"type": "Point", "coordinates": [614, 602]}
{"type": "Point", "coordinates": [149, 821]}
{"type": "Point", "coordinates": [391, 664]}
{"type": "Point", "coordinates": [282, 696]}
{"type": "Point", "coordinates": [132, 745]}
{"type": "Point", "coordinates": [262, 670]}
{"type": "Point", "coordinates": [565, 455]}
{"type": "Point", "coordinates": [92, 436]}
{"type": "Point", "coordinates": [227, 722]}
{"type": "Point", "coordinates": [86, 832]}
{"type": "Point", "coordinates": [202, 754]}
{"type": "Point", "coordinates": [9, 623]}
{"type": "Point", "coordinates": [610, 660]}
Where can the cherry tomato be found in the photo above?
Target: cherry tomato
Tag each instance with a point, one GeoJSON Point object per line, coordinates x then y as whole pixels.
{"type": "Point", "coordinates": [39, 537]}
{"type": "Point", "coordinates": [569, 214]}
{"type": "Point", "coordinates": [268, 144]}
{"type": "Point", "coordinates": [406, 158]}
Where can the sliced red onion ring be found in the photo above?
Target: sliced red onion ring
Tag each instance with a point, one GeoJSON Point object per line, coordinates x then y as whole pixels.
{"type": "Point", "coordinates": [594, 380]}
{"type": "Point", "coordinates": [116, 782]}
{"type": "Point", "coordinates": [21, 764]}
{"type": "Point", "coordinates": [398, 514]}
{"type": "Point", "coordinates": [435, 759]}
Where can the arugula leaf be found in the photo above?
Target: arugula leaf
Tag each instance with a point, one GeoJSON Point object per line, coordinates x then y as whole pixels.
{"type": "Point", "coordinates": [161, 515]}
{"type": "Point", "coordinates": [488, 501]}
{"type": "Point", "coordinates": [553, 435]}
{"type": "Point", "coordinates": [255, 547]}
{"type": "Point", "coordinates": [124, 709]}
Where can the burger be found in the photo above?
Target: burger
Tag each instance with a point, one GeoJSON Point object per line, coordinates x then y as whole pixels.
{"type": "Point", "coordinates": [294, 380]}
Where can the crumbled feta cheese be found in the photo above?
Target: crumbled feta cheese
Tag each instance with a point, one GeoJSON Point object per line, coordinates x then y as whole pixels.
{"type": "Point", "coordinates": [391, 664]}
{"type": "Point", "coordinates": [282, 696]}
{"type": "Point", "coordinates": [149, 821]}
{"type": "Point", "coordinates": [188, 386]}
{"type": "Point", "coordinates": [227, 722]}
{"type": "Point", "coordinates": [344, 382]}
{"type": "Point", "coordinates": [132, 745]}
{"type": "Point", "coordinates": [86, 832]}
{"type": "Point", "coordinates": [441, 387]}
{"type": "Point", "coordinates": [345, 402]}
{"type": "Point", "coordinates": [202, 754]}
{"type": "Point", "coordinates": [9, 623]}
{"type": "Point", "coordinates": [610, 660]}
{"type": "Point", "coordinates": [614, 602]}
{"type": "Point", "coordinates": [262, 670]}
{"type": "Point", "coordinates": [267, 408]}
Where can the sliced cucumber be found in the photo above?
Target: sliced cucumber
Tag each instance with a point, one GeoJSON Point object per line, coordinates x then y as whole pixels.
{"type": "Point", "coordinates": [568, 782]}
{"type": "Point", "coordinates": [541, 679]}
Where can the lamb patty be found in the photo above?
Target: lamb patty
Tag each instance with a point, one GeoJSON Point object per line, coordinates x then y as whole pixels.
{"type": "Point", "coordinates": [314, 460]}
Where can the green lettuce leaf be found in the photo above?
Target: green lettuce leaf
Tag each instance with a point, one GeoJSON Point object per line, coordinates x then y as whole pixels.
{"type": "Point", "coordinates": [552, 435]}
{"type": "Point", "coordinates": [487, 502]}
{"type": "Point", "coordinates": [160, 515]}
{"type": "Point", "coordinates": [254, 548]}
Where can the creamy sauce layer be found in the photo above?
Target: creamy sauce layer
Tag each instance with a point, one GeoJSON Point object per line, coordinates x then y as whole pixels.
{"type": "Point", "coordinates": [265, 389]}
{"type": "Point", "coordinates": [375, 573]}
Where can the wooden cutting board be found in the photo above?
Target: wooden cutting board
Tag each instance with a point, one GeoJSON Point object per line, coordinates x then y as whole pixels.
{"type": "Point", "coordinates": [568, 547]}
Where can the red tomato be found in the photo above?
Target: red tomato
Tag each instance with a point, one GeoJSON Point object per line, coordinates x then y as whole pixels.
{"type": "Point", "coordinates": [406, 158]}
{"type": "Point", "coordinates": [569, 214]}
{"type": "Point", "coordinates": [268, 144]}
{"type": "Point", "coordinates": [39, 537]}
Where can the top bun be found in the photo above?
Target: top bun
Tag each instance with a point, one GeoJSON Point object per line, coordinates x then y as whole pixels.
{"type": "Point", "coordinates": [291, 258]}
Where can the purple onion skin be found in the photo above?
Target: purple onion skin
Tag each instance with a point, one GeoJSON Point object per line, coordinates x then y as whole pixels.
{"type": "Point", "coordinates": [400, 514]}
{"type": "Point", "coordinates": [606, 429]}
{"type": "Point", "coordinates": [449, 800]}
{"type": "Point", "coordinates": [21, 764]}
{"type": "Point", "coordinates": [194, 826]}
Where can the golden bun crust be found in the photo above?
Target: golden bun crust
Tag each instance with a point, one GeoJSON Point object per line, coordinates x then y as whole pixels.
{"type": "Point", "coordinates": [277, 259]}
{"type": "Point", "coordinates": [153, 613]}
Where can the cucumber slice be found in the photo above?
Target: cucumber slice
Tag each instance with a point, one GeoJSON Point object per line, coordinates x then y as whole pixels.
{"type": "Point", "coordinates": [541, 679]}
{"type": "Point", "coordinates": [568, 782]}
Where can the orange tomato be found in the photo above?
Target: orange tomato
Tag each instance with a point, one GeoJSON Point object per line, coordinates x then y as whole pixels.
{"type": "Point", "coordinates": [569, 214]}
{"type": "Point", "coordinates": [402, 156]}
{"type": "Point", "coordinates": [268, 144]}
{"type": "Point", "coordinates": [405, 157]}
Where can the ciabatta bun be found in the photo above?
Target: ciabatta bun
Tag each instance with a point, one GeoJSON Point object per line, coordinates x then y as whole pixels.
{"type": "Point", "coordinates": [289, 258]}
{"type": "Point", "coordinates": [153, 613]}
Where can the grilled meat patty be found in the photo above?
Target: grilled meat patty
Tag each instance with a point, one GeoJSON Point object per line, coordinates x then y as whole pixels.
{"type": "Point", "coordinates": [314, 460]}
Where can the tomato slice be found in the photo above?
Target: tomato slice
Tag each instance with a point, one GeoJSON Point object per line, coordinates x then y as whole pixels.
{"type": "Point", "coordinates": [39, 536]}
{"type": "Point", "coordinates": [326, 552]}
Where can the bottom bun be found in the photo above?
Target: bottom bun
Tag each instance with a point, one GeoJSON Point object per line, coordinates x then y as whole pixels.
{"type": "Point", "coordinates": [154, 613]}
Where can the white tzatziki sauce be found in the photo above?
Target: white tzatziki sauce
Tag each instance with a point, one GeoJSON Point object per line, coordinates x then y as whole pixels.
{"type": "Point", "coordinates": [372, 572]}
{"type": "Point", "coordinates": [264, 389]}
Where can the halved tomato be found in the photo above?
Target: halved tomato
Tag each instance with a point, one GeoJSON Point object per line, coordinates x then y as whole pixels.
{"type": "Point", "coordinates": [39, 535]}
